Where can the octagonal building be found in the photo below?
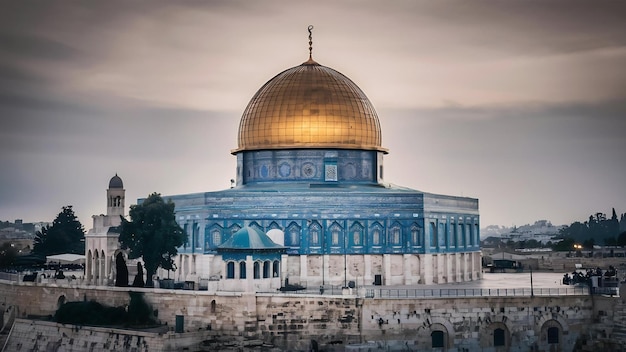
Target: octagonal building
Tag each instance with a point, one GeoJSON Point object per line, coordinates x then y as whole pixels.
{"type": "Point", "coordinates": [310, 176]}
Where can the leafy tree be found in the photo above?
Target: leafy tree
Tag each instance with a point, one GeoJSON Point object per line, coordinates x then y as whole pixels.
{"type": "Point", "coordinates": [566, 244]}
{"type": "Point", "coordinates": [152, 234]}
{"type": "Point", "coordinates": [66, 235]}
{"type": "Point", "coordinates": [621, 239]}
{"type": "Point", "coordinates": [8, 254]}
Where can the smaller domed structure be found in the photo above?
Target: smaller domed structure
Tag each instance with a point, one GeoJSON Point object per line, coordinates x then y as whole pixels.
{"type": "Point", "coordinates": [116, 182]}
{"type": "Point", "coordinates": [249, 238]}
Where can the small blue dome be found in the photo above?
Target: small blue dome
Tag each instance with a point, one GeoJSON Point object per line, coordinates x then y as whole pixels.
{"type": "Point", "coordinates": [249, 238]}
{"type": "Point", "coordinates": [116, 182]}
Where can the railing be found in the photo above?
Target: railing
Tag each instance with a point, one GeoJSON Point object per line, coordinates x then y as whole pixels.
{"type": "Point", "coordinates": [9, 276]}
{"type": "Point", "coordinates": [474, 292]}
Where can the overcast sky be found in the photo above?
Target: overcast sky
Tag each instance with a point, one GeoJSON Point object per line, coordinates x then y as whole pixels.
{"type": "Point", "coordinates": [521, 104]}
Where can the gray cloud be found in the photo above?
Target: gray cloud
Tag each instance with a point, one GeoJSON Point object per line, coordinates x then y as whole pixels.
{"type": "Point", "coordinates": [520, 104]}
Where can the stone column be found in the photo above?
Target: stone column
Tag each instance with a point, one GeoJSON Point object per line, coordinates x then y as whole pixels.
{"type": "Point", "coordinates": [326, 267]}
{"type": "Point", "coordinates": [408, 279]}
{"type": "Point", "coordinates": [249, 274]}
{"type": "Point", "coordinates": [304, 269]}
{"type": "Point", "coordinates": [426, 269]}
{"type": "Point", "coordinates": [368, 278]}
{"type": "Point", "coordinates": [386, 269]}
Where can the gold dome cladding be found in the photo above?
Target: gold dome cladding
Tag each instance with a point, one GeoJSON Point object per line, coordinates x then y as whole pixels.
{"type": "Point", "coordinates": [309, 106]}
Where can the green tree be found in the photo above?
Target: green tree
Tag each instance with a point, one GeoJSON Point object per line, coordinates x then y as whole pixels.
{"type": "Point", "coordinates": [66, 235]}
{"type": "Point", "coordinates": [8, 253]}
{"type": "Point", "coordinates": [152, 234]}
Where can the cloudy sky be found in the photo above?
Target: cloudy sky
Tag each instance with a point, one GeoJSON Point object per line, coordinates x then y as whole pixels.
{"type": "Point", "coordinates": [521, 104]}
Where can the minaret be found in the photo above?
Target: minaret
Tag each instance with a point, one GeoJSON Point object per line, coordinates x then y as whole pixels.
{"type": "Point", "coordinates": [115, 197]}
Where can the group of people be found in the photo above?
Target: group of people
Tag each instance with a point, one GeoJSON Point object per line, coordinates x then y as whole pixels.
{"type": "Point", "coordinates": [578, 277]}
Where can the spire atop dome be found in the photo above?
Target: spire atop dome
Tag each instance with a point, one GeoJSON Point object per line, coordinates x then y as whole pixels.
{"type": "Point", "coordinates": [310, 61]}
{"type": "Point", "coordinates": [310, 42]}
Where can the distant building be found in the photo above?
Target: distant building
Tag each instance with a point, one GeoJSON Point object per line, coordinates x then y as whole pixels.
{"type": "Point", "coordinates": [101, 241]}
{"type": "Point", "coordinates": [541, 231]}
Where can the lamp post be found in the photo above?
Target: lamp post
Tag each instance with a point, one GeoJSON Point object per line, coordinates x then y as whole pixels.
{"type": "Point", "coordinates": [532, 293]}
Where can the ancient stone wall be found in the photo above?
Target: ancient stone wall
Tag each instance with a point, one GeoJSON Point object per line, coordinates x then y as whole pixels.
{"type": "Point", "coordinates": [300, 321]}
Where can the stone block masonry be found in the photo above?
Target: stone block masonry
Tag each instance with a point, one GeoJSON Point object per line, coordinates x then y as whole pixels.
{"type": "Point", "coordinates": [296, 322]}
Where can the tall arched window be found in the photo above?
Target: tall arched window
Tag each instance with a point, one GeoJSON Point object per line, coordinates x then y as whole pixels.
{"type": "Point", "coordinates": [294, 236]}
{"type": "Point", "coordinates": [266, 269]}
{"type": "Point", "coordinates": [242, 270]}
{"type": "Point", "coordinates": [334, 231]}
{"type": "Point", "coordinates": [276, 268]}
{"type": "Point", "coordinates": [416, 235]}
{"type": "Point", "coordinates": [376, 237]}
{"type": "Point", "coordinates": [395, 235]}
{"type": "Point", "coordinates": [257, 270]}
{"type": "Point", "coordinates": [230, 270]}
{"type": "Point", "coordinates": [314, 231]}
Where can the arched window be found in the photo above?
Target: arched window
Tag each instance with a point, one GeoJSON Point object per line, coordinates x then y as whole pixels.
{"type": "Point", "coordinates": [216, 237]}
{"type": "Point", "coordinates": [553, 335]}
{"type": "Point", "coordinates": [242, 270]}
{"type": "Point", "coordinates": [499, 337]}
{"type": "Point", "coordinates": [415, 235]}
{"type": "Point", "coordinates": [213, 304]}
{"type": "Point", "coordinates": [266, 269]}
{"type": "Point", "coordinates": [437, 339]}
{"type": "Point", "coordinates": [376, 237]}
{"type": "Point", "coordinates": [395, 235]}
{"type": "Point", "coordinates": [314, 230]}
{"type": "Point", "coordinates": [334, 230]}
{"type": "Point", "coordinates": [230, 270]}
{"type": "Point", "coordinates": [276, 268]}
{"type": "Point", "coordinates": [257, 270]}
{"type": "Point", "coordinates": [294, 236]}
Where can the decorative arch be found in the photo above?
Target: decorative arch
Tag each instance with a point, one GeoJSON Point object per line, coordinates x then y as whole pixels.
{"type": "Point", "coordinates": [356, 234]}
{"type": "Point", "coordinates": [377, 231]}
{"type": "Point", "coordinates": [417, 234]}
{"type": "Point", "coordinates": [255, 225]}
{"type": "Point", "coordinates": [315, 233]}
{"type": "Point", "coordinates": [274, 226]}
{"type": "Point", "coordinates": [336, 234]}
{"type": "Point", "coordinates": [395, 234]}
{"type": "Point", "coordinates": [293, 232]}
{"type": "Point", "coordinates": [215, 236]}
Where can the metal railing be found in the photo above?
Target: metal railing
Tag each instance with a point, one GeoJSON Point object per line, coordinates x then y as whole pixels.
{"type": "Point", "coordinates": [474, 292]}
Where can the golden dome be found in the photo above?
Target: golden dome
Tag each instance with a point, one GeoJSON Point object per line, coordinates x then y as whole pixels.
{"type": "Point", "coordinates": [309, 106]}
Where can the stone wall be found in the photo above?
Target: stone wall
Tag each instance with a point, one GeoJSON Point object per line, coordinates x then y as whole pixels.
{"type": "Point", "coordinates": [332, 322]}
